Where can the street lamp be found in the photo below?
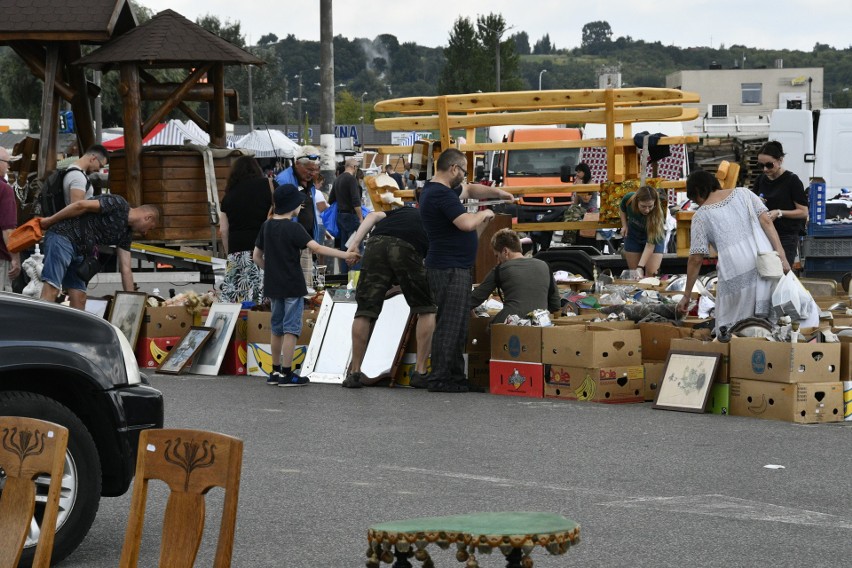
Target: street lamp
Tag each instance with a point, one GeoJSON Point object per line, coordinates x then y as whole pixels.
{"type": "Point", "coordinates": [540, 73]}
{"type": "Point", "coordinates": [299, 100]}
{"type": "Point", "coordinates": [497, 35]}
{"type": "Point", "coordinates": [361, 137]}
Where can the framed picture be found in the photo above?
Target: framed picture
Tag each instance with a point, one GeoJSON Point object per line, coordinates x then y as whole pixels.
{"type": "Point", "coordinates": [686, 381]}
{"type": "Point", "coordinates": [330, 350]}
{"type": "Point", "coordinates": [98, 306]}
{"type": "Point", "coordinates": [223, 319]}
{"type": "Point", "coordinates": [178, 358]}
{"type": "Point", "coordinates": [126, 313]}
{"type": "Point", "coordinates": [387, 343]}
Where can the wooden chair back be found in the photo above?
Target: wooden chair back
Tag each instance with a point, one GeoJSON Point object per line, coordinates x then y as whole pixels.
{"type": "Point", "coordinates": [29, 448]}
{"type": "Point", "coordinates": [728, 173]}
{"type": "Point", "coordinates": [190, 462]}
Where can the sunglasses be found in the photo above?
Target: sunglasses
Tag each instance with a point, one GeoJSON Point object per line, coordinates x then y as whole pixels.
{"type": "Point", "coordinates": [767, 165]}
{"type": "Point", "coordinates": [311, 157]}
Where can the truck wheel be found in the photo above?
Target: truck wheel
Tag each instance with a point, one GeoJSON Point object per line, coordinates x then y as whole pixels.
{"type": "Point", "coordinates": [81, 484]}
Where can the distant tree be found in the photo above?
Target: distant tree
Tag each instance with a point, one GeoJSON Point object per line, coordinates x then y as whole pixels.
{"type": "Point", "coordinates": [543, 46]}
{"type": "Point", "coordinates": [464, 71]}
{"type": "Point", "coordinates": [490, 29]}
{"type": "Point", "coordinates": [226, 30]}
{"type": "Point", "coordinates": [142, 13]}
{"type": "Point", "coordinates": [596, 34]}
{"type": "Point", "coordinates": [267, 39]}
{"type": "Point", "coordinates": [522, 43]}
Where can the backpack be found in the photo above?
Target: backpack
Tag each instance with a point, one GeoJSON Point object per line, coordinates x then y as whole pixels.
{"type": "Point", "coordinates": [51, 198]}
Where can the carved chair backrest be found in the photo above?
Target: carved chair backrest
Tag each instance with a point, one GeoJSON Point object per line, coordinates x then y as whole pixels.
{"type": "Point", "coordinates": [29, 448]}
{"type": "Point", "coordinates": [190, 462]}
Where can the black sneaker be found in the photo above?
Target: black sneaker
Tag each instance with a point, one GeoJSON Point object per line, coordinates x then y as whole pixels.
{"type": "Point", "coordinates": [293, 380]}
{"type": "Point", "coordinates": [274, 378]}
{"type": "Point", "coordinates": [419, 380]}
{"type": "Point", "coordinates": [353, 380]}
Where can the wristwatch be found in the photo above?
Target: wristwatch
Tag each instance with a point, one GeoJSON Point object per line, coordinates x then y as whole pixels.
{"type": "Point", "coordinates": [780, 213]}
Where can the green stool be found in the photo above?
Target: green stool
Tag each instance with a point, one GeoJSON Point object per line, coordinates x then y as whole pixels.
{"type": "Point", "coordinates": [514, 534]}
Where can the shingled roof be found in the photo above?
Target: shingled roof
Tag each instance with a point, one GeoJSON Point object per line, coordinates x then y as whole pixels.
{"type": "Point", "coordinates": [168, 39]}
{"type": "Point", "coordinates": [89, 21]}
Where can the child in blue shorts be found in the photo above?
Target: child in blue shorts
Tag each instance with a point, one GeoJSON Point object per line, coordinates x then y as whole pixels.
{"type": "Point", "coordinates": [277, 251]}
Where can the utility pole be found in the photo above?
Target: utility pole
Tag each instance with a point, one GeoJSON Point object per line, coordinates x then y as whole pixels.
{"type": "Point", "coordinates": [299, 106]}
{"type": "Point", "coordinates": [286, 104]}
{"type": "Point", "coordinates": [327, 145]}
{"type": "Point", "coordinates": [361, 134]}
{"type": "Point", "coordinates": [251, 102]}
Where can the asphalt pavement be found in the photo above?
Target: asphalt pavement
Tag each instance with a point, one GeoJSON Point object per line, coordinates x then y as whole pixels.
{"type": "Point", "coordinates": [648, 487]}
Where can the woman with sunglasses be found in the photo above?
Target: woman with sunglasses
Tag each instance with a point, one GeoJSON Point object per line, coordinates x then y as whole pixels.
{"type": "Point", "coordinates": [784, 195]}
{"type": "Point", "coordinates": [643, 228]}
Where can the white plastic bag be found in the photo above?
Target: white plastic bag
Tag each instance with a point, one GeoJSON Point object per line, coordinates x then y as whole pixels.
{"type": "Point", "coordinates": [792, 299]}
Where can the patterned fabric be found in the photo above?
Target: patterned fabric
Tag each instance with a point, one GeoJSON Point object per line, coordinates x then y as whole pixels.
{"type": "Point", "coordinates": [730, 228]}
{"type": "Point", "coordinates": [451, 288]}
{"type": "Point", "coordinates": [106, 227]}
{"type": "Point", "coordinates": [667, 168]}
{"type": "Point", "coordinates": [243, 279]}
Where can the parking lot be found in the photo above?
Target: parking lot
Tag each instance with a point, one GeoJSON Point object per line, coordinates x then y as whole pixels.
{"type": "Point", "coordinates": [649, 487]}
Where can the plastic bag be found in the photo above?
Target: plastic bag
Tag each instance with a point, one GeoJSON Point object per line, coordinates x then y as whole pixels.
{"type": "Point", "coordinates": [792, 299]}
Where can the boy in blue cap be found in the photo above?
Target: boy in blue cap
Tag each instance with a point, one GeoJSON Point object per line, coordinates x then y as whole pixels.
{"type": "Point", "coordinates": [277, 251]}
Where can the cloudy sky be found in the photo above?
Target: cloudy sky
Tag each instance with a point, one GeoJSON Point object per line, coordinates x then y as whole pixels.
{"type": "Point", "coordinates": [782, 24]}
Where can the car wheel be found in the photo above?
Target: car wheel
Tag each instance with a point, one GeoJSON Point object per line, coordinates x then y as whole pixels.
{"type": "Point", "coordinates": [81, 481]}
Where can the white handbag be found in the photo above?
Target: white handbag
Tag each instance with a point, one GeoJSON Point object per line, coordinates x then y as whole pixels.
{"type": "Point", "coordinates": [768, 263]}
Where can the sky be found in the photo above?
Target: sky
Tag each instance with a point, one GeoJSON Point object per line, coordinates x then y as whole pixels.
{"type": "Point", "coordinates": [782, 24]}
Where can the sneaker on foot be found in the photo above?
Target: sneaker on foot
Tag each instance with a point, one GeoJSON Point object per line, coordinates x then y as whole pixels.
{"type": "Point", "coordinates": [353, 380]}
{"type": "Point", "coordinates": [293, 380]}
{"type": "Point", "coordinates": [419, 380]}
{"type": "Point", "coordinates": [274, 378]}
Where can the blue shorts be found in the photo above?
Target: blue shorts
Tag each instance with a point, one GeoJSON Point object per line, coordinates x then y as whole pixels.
{"type": "Point", "coordinates": [287, 316]}
{"type": "Point", "coordinates": [632, 244]}
{"type": "Point", "coordinates": [61, 263]}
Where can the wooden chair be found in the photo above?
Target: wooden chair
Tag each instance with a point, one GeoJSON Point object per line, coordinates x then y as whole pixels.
{"type": "Point", "coordinates": [29, 448]}
{"type": "Point", "coordinates": [728, 174]}
{"type": "Point", "coordinates": [190, 462]}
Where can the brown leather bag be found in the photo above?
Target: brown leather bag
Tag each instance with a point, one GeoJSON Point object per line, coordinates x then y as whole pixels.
{"type": "Point", "coordinates": [26, 235]}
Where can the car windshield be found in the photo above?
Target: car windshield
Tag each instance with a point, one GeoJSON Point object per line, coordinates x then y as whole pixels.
{"type": "Point", "coordinates": [541, 162]}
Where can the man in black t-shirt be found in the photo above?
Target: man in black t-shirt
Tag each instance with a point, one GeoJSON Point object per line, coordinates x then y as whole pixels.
{"type": "Point", "coordinates": [346, 192]}
{"type": "Point", "coordinates": [394, 255]}
{"type": "Point", "coordinates": [74, 233]}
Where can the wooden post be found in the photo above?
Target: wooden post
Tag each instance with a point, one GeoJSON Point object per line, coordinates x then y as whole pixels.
{"type": "Point", "coordinates": [128, 88]}
{"type": "Point", "coordinates": [49, 114]}
{"type": "Point", "coordinates": [173, 99]}
{"type": "Point", "coordinates": [609, 110]}
{"type": "Point", "coordinates": [443, 122]}
{"type": "Point", "coordinates": [632, 167]}
{"type": "Point", "coordinates": [83, 121]}
{"type": "Point", "coordinates": [217, 106]}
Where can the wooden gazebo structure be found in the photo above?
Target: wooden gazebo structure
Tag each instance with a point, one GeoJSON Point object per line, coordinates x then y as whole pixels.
{"type": "Point", "coordinates": [48, 35]}
{"type": "Point", "coordinates": [169, 40]}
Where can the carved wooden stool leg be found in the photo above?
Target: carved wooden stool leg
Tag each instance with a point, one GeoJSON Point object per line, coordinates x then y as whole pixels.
{"type": "Point", "coordinates": [402, 557]}
{"type": "Point", "coordinates": [513, 559]}
{"type": "Point", "coordinates": [373, 556]}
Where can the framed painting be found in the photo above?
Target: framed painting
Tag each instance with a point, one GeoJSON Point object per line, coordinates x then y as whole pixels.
{"type": "Point", "coordinates": [126, 313]}
{"type": "Point", "coordinates": [223, 319]}
{"type": "Point", "coordinates": [178, 358]}
{"type": "Point", "coordinates": [330, 350]}
{"type": "Point", "coordinates": [686, 381]}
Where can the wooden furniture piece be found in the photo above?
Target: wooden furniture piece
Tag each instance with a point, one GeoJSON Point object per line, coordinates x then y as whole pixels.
{"type": "Point", "coordinates": [29, 448]}
{"type": "Point", "coordinates": [515, 534]}
{"type": "Point", "coordinates": [190, 462]}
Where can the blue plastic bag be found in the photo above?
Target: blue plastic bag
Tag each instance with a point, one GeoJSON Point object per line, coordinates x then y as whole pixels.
{"type": "Point", "coordinates": [329, 219]}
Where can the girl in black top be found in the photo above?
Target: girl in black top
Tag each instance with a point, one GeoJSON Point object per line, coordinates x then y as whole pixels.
{"type": "Point", "coordinates": [784, 195]}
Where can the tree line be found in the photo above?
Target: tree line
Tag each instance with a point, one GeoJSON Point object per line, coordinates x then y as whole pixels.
{"type": "Point", "coordinates": [368, 70]}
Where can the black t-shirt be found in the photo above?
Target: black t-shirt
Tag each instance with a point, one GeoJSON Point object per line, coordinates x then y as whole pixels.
{"type": "Point", "coordinates": [783, 193]}
{"type": "Point", "coordinates": [282, 241]}
{"type": "Point", "coordinates": [346, 192]}
{"type": "Point", "coordinates": [106, 227]}
{"type": "Point", "coordinates": [404, 223]}
{"type": "Point", "coordinates": [449, 246]}
{"type": "Point", "coordinates": [246, 204]}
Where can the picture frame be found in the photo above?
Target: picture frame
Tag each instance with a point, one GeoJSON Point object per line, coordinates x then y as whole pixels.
{"type": "Point", "coordinates": [127, 312]}
{"type": "Point", "coordinates": [330, 349]}
{"type": "Point", "coordinates": [387, 342]}
{"type": "Point", "coordinates": [223, 319]}
{"type": "Point", "coordinates": [98, 306]}
{"type": "Point", "coordinates": [686, 382]}
{"type": "Point", "coordinates": [181, 355]}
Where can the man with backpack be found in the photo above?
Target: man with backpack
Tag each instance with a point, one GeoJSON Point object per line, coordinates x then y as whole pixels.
{"type": "Point", "coordinates": [75, 183]}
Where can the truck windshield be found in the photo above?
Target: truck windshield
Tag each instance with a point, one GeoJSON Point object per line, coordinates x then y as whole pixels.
{"type": "Point", "coordinates": [542, 162]}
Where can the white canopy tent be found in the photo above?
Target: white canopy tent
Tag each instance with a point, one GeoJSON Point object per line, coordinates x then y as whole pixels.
{"type": "Point", "coordinates": [268, 143]}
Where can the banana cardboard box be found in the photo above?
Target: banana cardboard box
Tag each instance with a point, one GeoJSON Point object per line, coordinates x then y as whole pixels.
{"type": "Point", "coordinates": [653, 377]}
{"type": "Point", "coordinates": [803, 403]}
{"type": "Point", "coordinates": [516, 378]}
{"type": "Point", "coordinates": [612, 385]}
{"type": "Point", "coordinates": [166, 321]}
{"type": "Point", "coordinates": [590, 346]}
{"type": "Point", "coordinates": [152, 351]}
{"type": "Point", "coordinates": [259, 359]}
{"type": "Point", "coordinates": [754, 358]}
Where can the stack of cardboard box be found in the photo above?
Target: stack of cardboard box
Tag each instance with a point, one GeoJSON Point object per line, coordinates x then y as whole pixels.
{"type": "Point", "coordinates": [795, 382]}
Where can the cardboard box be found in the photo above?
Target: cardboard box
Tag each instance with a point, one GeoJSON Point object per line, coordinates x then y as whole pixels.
{"type": "Point", "coordinates": [606, 384]}
{"type": "Point", "coordinates": [479, 370]}
{"type": "Point", "coordinates": [719, 401]}
{"type": "Point", "coordinates": [763, 360]}
{"type": "Point", "coordinates": [803, 403]}
{"type": "Point", "coordinates": [478, 336]}
{"type": "Point", "coordinates": [516, 378]}
{"type": "Point", "coordinates": [258, 327]}
{"type": "Point", "coordinates": [236, 358]}
{"type": "Point", "coordinates": [657, 339]}
{"type": "Point", "coordinates": [723, 370]}
{"type": "Point", "coordinates": [590, 346]}
{"type": "Point", "coordinates": [259, 358]}
{"type": "Point", "coordinates": [152, 351]}
{"type": "Point", "coordinates": [166, 321]}
{"type": "Point", "coordinates": [653, 377]}
{"type": "Point", "coordinates": [845, 358]}
{"type": "Point", "coordinates": [516, 343]}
